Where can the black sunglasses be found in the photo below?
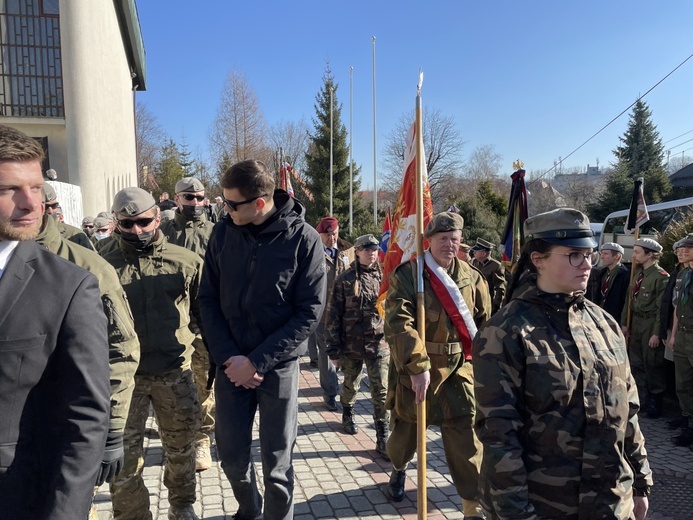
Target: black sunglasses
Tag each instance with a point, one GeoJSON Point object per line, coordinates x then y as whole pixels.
{"type": "Point", "coordinates": [88, 226]}
{"type": "Point", "coordinates": [189, 197]}
{"type": "Point", "coordinates": [141, 222]}
{"type": "Point", "coordinates": [102, 230]}
{"type": "Point", "coordinates": [233, 206]}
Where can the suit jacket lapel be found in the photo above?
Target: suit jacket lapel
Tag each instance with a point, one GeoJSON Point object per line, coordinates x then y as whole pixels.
{"type": "Point", "coordinates": [16, 276]}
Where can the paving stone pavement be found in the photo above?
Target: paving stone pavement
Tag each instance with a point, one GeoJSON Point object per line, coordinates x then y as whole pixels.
{"type": "Point", "coordinates": [341, 476]}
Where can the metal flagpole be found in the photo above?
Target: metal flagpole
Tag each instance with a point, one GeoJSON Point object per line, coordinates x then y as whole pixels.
{"type": "Point", "coordinates": [351, 149]}
{"type": "Point", "coordinates": [420, 313]}
{"type": "Point", "coordinates": [375, 176]}
{"type": "Point", "coordinates": [331, 140]}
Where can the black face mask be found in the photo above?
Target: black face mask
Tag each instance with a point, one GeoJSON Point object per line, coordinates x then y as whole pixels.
{"type": "Point", "coordinates": [141, 241]}
{"type": "Point", "coordinates": [192, 212]}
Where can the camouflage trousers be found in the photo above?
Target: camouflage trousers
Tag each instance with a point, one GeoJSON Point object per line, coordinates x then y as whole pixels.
{"type": "Point", "coordinates": [377, 380]}
{"type": "Point", "coordinates": [683, 367]}
{"type": "Point", "coordinates": [646, 364]}
{"type": "Point", "coordinates": [200, 368]}
{"type": "Point", "coordinates": [173, 397]}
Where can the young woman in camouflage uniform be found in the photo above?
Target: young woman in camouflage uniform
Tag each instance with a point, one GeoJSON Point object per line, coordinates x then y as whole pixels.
{"type": "Point", "coordinates": [556, 402]}
{"type": "Point", "coordinates": [355, 335]}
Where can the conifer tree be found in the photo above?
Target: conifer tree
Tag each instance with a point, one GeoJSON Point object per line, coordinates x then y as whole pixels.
{"type": "Point", "coordinates": [640, 154]}
{"type": "Point", "coordinates": [317, 173]}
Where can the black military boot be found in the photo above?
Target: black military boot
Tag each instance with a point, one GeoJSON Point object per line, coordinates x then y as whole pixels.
{"type": "Point", "coordinates": [654, 409]}
{"type": "Point", "coordinates": [680, 422]}
{"type": "Point", "coordinates": [685, 438]}
{"type": "Point", "coordinates": [348, 422]}
{"type": "Point", "coordinates": [382, 432]}
{"type": "Point", "coordinates": [395, 488]}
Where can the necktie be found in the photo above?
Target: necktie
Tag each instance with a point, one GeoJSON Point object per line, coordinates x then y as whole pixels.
{"type": "Point", "coordinates": [605, 284]}
{"type": "Point", "coordinates": [638, 281]}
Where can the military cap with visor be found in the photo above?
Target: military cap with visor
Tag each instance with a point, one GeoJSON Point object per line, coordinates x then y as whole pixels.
{"type": "Point", "coordinates": [563, 227]}
{"type": "Point", "coordinates": [189, 184]}
{"type": "Point", "coordinates": [648, 243]}
{"type": "Point", "coordinates": [444, 222]}
{"type": "Point", "coordinates": [366, 242]}
{"type": "Point", "coordinates": [483, 245]}
{"type": "Point", "coordinates": [132, 201]}
{"type": "Point", "coordinates": [612, 246]}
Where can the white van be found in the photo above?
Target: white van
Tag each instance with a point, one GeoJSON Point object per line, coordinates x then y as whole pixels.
{"type": "Point", "coordinates": [661, 215]}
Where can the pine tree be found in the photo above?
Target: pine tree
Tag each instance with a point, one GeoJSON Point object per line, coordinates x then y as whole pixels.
{"type": "Point", "coordinates": [317, 172]}
{"type": "Point", "coordinates": [169, 169]}
{"type": "Point", "coordinates": [640, 154]}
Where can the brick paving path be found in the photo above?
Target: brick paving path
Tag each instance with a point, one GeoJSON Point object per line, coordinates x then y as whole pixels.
{"type": "Point", "coordinates": [341, 476]}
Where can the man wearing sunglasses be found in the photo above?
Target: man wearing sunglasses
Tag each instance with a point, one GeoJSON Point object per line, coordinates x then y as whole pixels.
{"type": "Point", "coordinates": [161, 281]}
{"type": "Point", "coordinates": [189, 228]}
{"type": "Point", "coordinates": [262, 293]}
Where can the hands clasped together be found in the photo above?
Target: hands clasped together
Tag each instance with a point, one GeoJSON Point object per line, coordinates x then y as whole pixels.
{"type": "Point", "coordinates": [241, 371]}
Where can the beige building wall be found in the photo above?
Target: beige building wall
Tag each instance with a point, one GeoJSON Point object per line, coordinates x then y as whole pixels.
{"type": "Point", "coordinates": [99, 103]}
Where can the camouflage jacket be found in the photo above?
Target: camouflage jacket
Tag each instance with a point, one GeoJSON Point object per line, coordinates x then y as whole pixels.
{"type": "Point", "coordinates": [190, 234]}
{"type": "Point", "coordinates": [333, 268]}
{"type": "Point", "coordinates": [495, 277]}
{"type": "Point", "coordinates": [355, 327]}
{"type": "Point", "coordinates": [646, 305]}
{"type": "Point", "coordinates": [124, 348]}
{"type": "Point", "coordinates": [556, 411]}
{"type": "Point", "coordinates": [451, 394]}
{"type": "Point", "coordinates": [162, 284]}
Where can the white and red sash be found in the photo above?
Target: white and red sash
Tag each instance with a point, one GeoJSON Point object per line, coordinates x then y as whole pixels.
{"type": "Point", "coordinates": [454, 305]}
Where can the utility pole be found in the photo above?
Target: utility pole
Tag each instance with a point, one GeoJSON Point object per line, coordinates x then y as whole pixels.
{"type": "Point", "coordinates": [351, 149]}
{"type": "Point", "coordinates": [331, 145]}
{"type": "Point", "coordinates": [375, 176]}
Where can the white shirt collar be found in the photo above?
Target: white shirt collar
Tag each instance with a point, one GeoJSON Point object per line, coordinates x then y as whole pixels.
{"type": "Point", "coordinates": [7, 247]}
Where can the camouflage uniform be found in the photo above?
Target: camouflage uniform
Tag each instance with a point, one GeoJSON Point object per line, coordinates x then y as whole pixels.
{"type": "Point", "coordinates": [450, 397]}
{"type": "Point", "coordinates": [557, 411]}
{"type": "Point", "coordinates": [124, 348]}
{"type": "Point", "coordinates": [194, 236]}
{"type": "Point", "coordinates": [162, 284]}
{"type": "Point", "coordinates": [647, 364]}
{"type": "Point", "coordinates": [355, 334]}
{"type": "Point", "coordinates": [495, 277]}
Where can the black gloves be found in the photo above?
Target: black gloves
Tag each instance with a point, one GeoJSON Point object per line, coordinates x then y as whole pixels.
{"type": "Point", "coordinates": [113, 457]}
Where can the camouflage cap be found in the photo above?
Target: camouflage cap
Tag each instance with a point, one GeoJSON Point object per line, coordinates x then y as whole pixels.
{"type": "Point", "coordinates": [87, 220]}
{"type": "Point", "coordinates": [563, 227]}
{"type": "Point", "coordinates": [483, 245]}
{"type": "Point", "coordinates": [443, 222]}
{"type": "Point", "coordinates": [101, 222]}
{"type": "Point", "coordinates": [366, 242]}
{"type": "Point", "coordinates": [132, 201]}
{"type": "Point", "coordinates": [612, 246]}
{"type": "Point", "coordinates": [649, 243]}
{"type": "Point", "coordinates": [686, 241]}
{"type": "Point", "coordinates": [190, 184]}
{"type": "Point", "coordinates": [49, 195]}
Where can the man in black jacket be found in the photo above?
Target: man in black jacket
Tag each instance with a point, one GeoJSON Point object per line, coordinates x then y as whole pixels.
{"type": "Point", "coordinates": [262, 292]}
{"type": "Point", "coordinates": [610, 292]}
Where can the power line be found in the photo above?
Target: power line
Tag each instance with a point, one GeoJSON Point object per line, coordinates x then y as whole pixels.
{"type": "Point", "coordinates": [680, 144]}
{"type": "Point", "coordinates": [614, 119]}
{"type": "Point", "coordinates": [675, 138]}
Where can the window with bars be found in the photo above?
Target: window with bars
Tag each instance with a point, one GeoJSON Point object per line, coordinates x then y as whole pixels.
{"type": "Point", "coordinates": [31, 83]}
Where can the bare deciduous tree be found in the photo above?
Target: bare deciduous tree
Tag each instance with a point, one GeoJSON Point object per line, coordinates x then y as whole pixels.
{"type": "Point", "coordinates": [293, 137]}
{"type": "Point", "coordinates": [149, 139]}
{"type": "Point", "coordinates": [443, 145]}
{"type": "Point", "coordinates": [239, 130]}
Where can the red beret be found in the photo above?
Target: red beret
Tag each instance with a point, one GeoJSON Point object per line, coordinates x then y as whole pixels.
{"type": "Point", "coordinates": [327, 225]}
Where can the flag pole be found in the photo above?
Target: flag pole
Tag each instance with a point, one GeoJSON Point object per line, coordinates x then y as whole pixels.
{"type": "Point", "coordinates": [637, 188]}
{"type": "Point", "coordinates": [420, 313]}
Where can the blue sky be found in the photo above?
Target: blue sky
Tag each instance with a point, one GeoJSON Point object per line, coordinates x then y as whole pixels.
{"type": "Point", "coordinates": [533, 79]}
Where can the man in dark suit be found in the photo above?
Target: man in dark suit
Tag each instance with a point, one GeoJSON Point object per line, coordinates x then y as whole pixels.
{"type": "Point", "coordinates": [54, 380]}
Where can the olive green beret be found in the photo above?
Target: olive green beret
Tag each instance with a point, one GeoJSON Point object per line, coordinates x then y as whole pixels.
{"type": "Point", "coordinates": [649, 243]}
{"type": "Point", "coordinates": [564, 227]}
{"type": "Point", "coordinates": [612, 246]}
{"type": "Point", "coordinates": [686, 241]}
{"type": "Point", "coordinates": [443, 222]}
{"type": "Point", "coordinates": [101, 222]}
{"type": "Point", "coordinates": [189, 184]}
{"type": "Point", "coordinates": [49, 194]}
{"type": "Point", "coordinates": [132, 201]}
{"type": "Point", "coordinates": [366, 242]}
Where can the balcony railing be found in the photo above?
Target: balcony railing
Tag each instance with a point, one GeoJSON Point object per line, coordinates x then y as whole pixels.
{"type": "Point", "coordinates": [31, 83]}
